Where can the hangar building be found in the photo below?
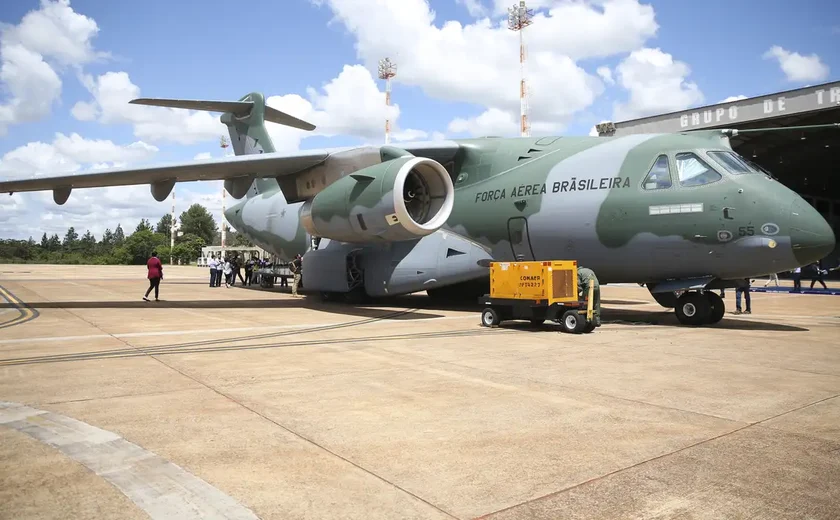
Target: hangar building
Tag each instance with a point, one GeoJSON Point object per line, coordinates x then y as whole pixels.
{"type": "Point", "coordinates": [806, 161]}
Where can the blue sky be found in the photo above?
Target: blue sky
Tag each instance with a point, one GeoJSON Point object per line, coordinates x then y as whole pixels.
{"type": "Point", "coordinates": [671, 55]}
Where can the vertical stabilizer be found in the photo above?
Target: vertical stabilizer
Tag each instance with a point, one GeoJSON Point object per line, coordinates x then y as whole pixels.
{"type": "Point", "coordinates": [248, 135]}
{"type": "Point", "coordinates": [245, 120]}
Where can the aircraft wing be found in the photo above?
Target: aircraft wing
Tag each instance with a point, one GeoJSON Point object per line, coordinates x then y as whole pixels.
{"type": "Point", "coordinates": [295, 172]}
{"type": "Point", "coordinates": [165, 176]}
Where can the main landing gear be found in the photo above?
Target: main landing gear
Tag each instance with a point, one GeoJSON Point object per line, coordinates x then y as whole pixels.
{"type": "Point", "coordinates": [699, 308]}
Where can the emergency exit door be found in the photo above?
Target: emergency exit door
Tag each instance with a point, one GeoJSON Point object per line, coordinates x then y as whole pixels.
{"type": "Point", "coordinates": [520, 241]}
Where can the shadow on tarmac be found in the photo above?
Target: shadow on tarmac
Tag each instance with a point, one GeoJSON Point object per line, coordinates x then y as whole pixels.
{"type": "Point", "coordinates": [266, 304]}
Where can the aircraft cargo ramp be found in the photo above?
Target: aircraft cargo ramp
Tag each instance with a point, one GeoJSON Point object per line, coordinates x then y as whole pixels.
{"type": "Point", "coordinates": [247, 403]}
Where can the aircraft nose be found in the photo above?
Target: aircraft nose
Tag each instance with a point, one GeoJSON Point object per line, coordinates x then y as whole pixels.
{"type": "Point", "coordinates": [811, 237]}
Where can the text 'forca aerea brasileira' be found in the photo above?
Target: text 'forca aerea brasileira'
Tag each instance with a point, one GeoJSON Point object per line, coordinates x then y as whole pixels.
{"type": "Point", "coordinates": [573, 184]}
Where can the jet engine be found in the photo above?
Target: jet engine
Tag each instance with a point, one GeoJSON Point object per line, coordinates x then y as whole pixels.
{"type": "Point", "coordinates": [400, 199]}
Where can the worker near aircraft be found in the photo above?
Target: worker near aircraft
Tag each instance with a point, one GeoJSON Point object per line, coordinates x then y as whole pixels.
{"type": "Point", "coordinates": [214, 270]}
{"type": "Point", "coordinates": [797, 279]}
{"type": "Point", "coordinates": [155, 275]}
{"type": "Point", "coordinates": [297, 268]}
{"type": "Point", "coordinates": [819, 274]}
{"type": "Point", "coordinates": [746, 292]}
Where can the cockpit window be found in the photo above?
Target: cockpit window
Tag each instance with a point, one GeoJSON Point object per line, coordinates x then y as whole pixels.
{"type": "Point", "coordinates": [659, 176]}
{"type": "Point", "coordinates": [693, 171]}
{"type": "Point", "coordinates": [732, 162]}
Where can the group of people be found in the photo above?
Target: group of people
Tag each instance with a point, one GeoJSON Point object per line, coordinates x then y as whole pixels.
{"type": "Point", "coordinates": [231, 268]}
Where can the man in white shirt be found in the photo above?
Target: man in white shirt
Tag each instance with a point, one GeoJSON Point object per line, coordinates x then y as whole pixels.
{"type": "Point", "coordinates": [797, 279]}
{"type": "Point", "coordinates": [214, 270]}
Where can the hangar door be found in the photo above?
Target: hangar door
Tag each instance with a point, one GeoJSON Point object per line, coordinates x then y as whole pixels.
{"type": "Point", "coordinates": [520, 241]}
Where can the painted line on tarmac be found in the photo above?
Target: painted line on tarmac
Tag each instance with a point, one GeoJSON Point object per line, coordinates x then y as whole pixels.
{"type": "Point", "coordinates": [195, 331]}
{"type": "Point", "coordinates": [26, 313]}
{"type": "Point", "coordinates": [159, 487]}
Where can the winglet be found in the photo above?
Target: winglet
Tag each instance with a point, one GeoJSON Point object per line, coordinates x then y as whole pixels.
{"type": "Point", "coordinates": [235, 108]}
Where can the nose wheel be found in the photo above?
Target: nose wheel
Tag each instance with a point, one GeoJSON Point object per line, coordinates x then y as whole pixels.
{"type": "Point", "coordinates": [695, 308]}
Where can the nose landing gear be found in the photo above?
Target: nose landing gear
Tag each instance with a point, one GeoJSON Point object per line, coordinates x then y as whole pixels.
{"type": "Point", "coordinates": [699, 308]}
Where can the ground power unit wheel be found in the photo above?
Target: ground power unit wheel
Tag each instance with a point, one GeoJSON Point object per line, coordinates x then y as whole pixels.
{"type": "Point", "coordinates": [489, 317]}
{"type": "Point", "coordinates": [572, 322]}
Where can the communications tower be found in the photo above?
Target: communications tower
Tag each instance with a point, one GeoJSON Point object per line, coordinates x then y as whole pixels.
{"type": "Point", "coordinates": [519, 17]}
{"type": "Point", "coordinates": [387, 70]}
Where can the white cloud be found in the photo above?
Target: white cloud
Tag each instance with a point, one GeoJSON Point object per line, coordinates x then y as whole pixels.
{"type": "Point", "coordinates": [203, 156]}
{"type": "Point", "coordinates": [67, 154]}
{"type": "Point", "coordinates": [113, 90]}
{"type": "Point", "coordinates": [479, 62]}
{"type": "Point", "coordinates": [474, 7]}
{"type": "Point", "coordinates": [606, 75]}
{"type": "Point", "coordinates": [656, 83]}
{"type": "Point", "coordinates": [733, 98]}
{"type": "Point", "coordinates": [350, 104]}
{"type": "Point", "coordinates": [798, 67]}
{"type": "Point", "coordinates": [46, 39]}
{"type": "Point", "coordinates": [94, 209]}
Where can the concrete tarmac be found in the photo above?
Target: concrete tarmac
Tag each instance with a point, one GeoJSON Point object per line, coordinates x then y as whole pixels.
{"type": "Point", "coordinates": [248, 403]}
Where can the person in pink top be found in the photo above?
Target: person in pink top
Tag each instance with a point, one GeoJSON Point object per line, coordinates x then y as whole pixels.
{"type": "Point", "coordinates": [155, 275]}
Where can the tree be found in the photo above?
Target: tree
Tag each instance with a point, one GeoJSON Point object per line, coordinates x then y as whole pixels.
{"type": "Point", "coordinates": [164, 225]}
{"type": "Point", "coordinates": [188, 248]}
{"type": "Point", "coordinates": [143, 226]}
{"type": "Point", "coordinates": [107, 239]}
{"type": "Point", "coordinates": [70, 239]}
{"type": "Point", "coordinates": [88, 242]}
{"type": "Point", "coordinates": [139, 246]}
{"type": "Point", "coordinates": [54, 244]}
{"type": "Point", "coordinates": [198, 221]}
{"type": "Point", "coordinates": [45, 242]}
{"type": "Point", "coordinates": [119, 236]}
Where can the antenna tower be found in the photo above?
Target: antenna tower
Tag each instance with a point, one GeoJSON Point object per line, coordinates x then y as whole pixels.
{"type": "Point", "coordinates": [223, 143]}
{"type": "Point", "coordinates": [519, 17]}
{"type": "Point", "coordinates": [172, 230]}
{"type": "Point", "coordinates": [387, 70]}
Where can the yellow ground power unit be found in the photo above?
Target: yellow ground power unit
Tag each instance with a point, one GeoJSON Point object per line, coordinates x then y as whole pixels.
{"type": "Point", "coordinates": [555, 290]}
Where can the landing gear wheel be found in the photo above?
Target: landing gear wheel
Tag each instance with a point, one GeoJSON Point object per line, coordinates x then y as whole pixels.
{"type": "Point", "coordinates": [572, 322]}
{"type": "Point", "coordinates": [489, 317]}
{"type": "Point", "coordinates": [718, 307]}
{"type": "Point", "coordinates": [693, 309]}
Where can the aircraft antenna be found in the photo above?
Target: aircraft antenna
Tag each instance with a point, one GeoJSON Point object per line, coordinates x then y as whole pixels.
{"type": "Point", "coordinates": [519, 17]}
{"type": "Point", "coordinates": [223, 144]}
{"type": "Point", "coordinates": [387, 70]}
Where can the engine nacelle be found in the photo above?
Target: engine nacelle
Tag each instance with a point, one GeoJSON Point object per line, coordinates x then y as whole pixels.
{"type": "Point", "coordinates": [402, 199]}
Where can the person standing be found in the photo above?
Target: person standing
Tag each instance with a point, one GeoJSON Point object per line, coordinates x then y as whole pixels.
{"type": "Point", "coordinates": [296, 267]}
{"type": "Point", "coordinates": [155, 275]}
{"type": "Point", "coordinates": [746, 292]}
{"type": "Point", "coordinates": [249, 270]}
{"type": "Point", "coordinates": [228, 270]}
{"type": "Point", "coordinates": [214, 265]}
{"type": "Point", "coordinates": [797, 279]}
{"type": "Point", "coordinates": [819, 274]}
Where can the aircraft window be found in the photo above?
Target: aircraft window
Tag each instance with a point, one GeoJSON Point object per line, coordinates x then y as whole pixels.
{"type": "Point", "coordinates": [659, 176]}
{"type": "Point", "coordinates": [732, 162]}
{"type": "Point", "coordinates": [693, 171]}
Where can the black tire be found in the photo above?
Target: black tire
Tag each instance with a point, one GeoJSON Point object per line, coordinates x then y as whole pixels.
{"type": "Point", "coordinates": [718, 307]}
{"type": "Point", "coordinates": [490, 318]}
{"type": "Point", "coordinates": [693, 309]}
{"type": "Point", "coordinates": [589, 327]}
{"type": "Point", "coordinates": [536, 322]}
{"type": "Point", "coordinates": [572, 322]}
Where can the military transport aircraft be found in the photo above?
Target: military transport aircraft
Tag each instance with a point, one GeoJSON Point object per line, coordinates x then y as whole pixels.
{"type": "Point", "coordinates": [682, 213]}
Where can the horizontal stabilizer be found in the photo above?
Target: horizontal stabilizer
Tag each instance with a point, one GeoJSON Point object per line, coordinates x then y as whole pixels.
{"type": "Point", "coordinates": [237, 108]}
